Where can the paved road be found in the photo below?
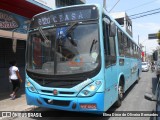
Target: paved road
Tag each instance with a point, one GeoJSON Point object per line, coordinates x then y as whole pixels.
{"type": "Point", "coordinates": [134, 98]}
{"type": "Point", "coordinates": [133, 101]}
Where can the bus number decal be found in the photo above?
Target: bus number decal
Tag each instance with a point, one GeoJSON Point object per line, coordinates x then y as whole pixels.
{"type": "Point", "coordinates": [44, 21]}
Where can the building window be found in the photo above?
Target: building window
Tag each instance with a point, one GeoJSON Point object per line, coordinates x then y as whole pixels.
{"type": "Point", "coordinates": [120, 21]}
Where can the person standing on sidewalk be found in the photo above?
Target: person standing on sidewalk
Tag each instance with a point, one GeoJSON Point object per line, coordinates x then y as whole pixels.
{"type": "Point", "coordinates": [15, 78]}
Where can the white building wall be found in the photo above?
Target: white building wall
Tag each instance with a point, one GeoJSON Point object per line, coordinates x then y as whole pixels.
{"type": "Point", "coordinates": [47, 4]}
{"type": "Point", "coordinates": [127, 21]}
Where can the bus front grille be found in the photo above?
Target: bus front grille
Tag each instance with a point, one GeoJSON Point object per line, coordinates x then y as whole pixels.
{"type": "Point", "coordinates": [60, 92]}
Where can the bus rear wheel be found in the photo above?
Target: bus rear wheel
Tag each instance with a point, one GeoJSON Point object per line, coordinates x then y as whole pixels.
{"type": "Point", "coordinates": [120, 96]}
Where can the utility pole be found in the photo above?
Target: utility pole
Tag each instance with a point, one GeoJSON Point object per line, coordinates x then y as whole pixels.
{"type": "Point", "coordinates": [104, 4]}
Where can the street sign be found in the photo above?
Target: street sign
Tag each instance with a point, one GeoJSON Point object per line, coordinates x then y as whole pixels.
{"type": "Point", "coordinates": [152, 36]}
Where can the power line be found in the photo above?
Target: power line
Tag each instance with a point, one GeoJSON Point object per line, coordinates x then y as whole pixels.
{"type": "Point", "coordinates": [145, 12]}
{"type": "Point", "coordinates": [114, 5]}
{"type": "Point", "coordinates": [145, 15]}
{"type": "Point", "coordinates": [141, 5]}
{"type": "Point", "coordinates": [142, 14]}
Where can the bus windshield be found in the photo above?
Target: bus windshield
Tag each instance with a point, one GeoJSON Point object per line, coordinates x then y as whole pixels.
{"type": "Point", "coordinates": [63, 50]}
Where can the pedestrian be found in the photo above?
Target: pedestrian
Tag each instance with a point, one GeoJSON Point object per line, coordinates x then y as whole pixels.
{"type": "Point", "coordinates": [15, 78]}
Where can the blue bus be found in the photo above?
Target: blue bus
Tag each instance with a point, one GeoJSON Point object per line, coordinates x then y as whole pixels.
{"type": "Point", "coordinates": [79, 58]}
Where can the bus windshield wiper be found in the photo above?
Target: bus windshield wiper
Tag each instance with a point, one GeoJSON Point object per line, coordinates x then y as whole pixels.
{"type": "Point", "coordinates": [93, 43]}
{"type": "Point", "coordinates": [72, 27]}
{"type": "Point", "coordinates": [67, 32]}
{"type": "Point", "coordinates": [46, 39]}
{"type": "Point", "coordinates": [42, 33]}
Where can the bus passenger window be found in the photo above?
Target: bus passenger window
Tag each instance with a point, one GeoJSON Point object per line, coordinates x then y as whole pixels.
{"type": "Point", "coordinates": [110, 47]}
{"type": "Point", "coordinates": [120, 43]}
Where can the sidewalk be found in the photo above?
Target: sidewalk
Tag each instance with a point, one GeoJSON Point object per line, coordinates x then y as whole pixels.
{"type": "Point", "coordinates": [18, 104]}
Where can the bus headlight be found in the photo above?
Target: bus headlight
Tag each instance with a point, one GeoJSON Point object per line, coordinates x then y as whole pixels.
{"type": "Point", "coordinates": [90, 89]}
{"type": "Point", "coordinates": [30, 87]}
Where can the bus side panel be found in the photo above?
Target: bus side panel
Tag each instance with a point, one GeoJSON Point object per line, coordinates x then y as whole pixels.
{"type": "Point", "coordinates": [131, 75]}
{"type": "Point", "coordinates": [125, 69]}
{"type": "Point", "coordinates": [134, 70]}
{"type": "Point", "coordinates": [111, 92]}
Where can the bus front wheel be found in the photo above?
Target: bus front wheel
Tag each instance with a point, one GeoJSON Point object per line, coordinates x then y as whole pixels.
{"type": "Point", "coordinates": [120, 96]}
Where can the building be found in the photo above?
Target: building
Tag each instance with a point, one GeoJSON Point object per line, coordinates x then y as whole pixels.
{"type": "Point", "coordinates": [123, 19]}
{"type": "Point", "coordinates": [14, 21]}
{"type": "Point", "coordinates": [52, 4]}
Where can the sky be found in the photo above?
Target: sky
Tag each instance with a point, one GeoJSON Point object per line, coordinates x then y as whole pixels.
{"type": "Point", "coordinates": [141, 26]}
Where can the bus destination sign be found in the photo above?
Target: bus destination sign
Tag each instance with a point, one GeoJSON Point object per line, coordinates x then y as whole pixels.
{"type": "Point", "coordinates": [65, 15]}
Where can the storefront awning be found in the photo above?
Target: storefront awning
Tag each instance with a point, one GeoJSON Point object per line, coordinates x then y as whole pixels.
{"type": "Point", "coordinates": [21, 7]}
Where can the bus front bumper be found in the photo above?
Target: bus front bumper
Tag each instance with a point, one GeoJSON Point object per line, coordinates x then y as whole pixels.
{"type": "Point", "coordinates": [85, 104]}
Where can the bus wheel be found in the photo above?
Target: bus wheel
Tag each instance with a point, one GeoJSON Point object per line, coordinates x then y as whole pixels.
{"type": "Point", "coordinates": [120, 96]}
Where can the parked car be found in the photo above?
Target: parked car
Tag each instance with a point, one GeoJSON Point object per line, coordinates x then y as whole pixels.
{"type": "Point", "coordinates": [145, 67]}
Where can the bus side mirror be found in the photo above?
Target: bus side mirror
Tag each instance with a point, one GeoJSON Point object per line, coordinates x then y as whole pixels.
{"type": "Point", "coordinates": [112, 29]}
{"type": "Point", "coordinates": [106, 20]}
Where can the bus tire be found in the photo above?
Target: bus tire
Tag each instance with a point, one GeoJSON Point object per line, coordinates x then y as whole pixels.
{"type": "Point", "coordinates": [120, 96]}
